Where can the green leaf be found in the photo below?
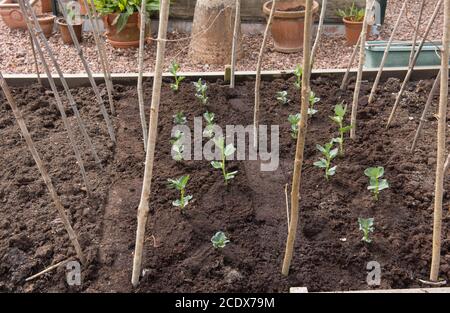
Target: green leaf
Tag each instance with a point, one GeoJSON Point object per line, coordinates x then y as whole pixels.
{"type": "Point", "coordinates": [332, 171]}
{"type": "Point", "coordinates": [322, 163]}
{"type": "Point", "coordinates": [345, 129]}
{"type": "Point", "coordinates": [336, 119]}
{"type": "Point", "coordinates": [371, 172]}
{"type": "Point", "coordinates": [312, 111]}
{"type": "Point", "coordinates": [230, 175]}
{"type": "Point", "coordinates": [334, 152]}
{"type": "Point", "coordinates": [229, 150]}
{"type": "Point", "coordinates": [177, 203]}
{"type": "Point", "coordinates": [216, 164]}
{"type": "Point", "coordinates": [321, 149]}
{"type": "Point", "coordinates": [122, 21]}
{"type": "Point", "coordinates": [383, 184]}
{"type": "Point", "coordinates": [339, 110]}
{"type": "Point", "coordinates": [184, 180]}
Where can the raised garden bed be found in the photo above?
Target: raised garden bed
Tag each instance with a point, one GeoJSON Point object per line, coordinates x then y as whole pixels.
{"type": "Point", "coordinates": [250, 210]}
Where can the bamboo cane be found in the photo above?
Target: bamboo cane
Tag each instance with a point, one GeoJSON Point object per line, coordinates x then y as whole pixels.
{"type": "Point", "coordinates": [349, 65]}
{"type": "Point", "coordinates": [413, 63]}
{"type": "Point", "coordinates": [141, 69]}
{"type": "Point", "coordinates": [319, 32]}
{"type": "Point", "coordinates": [369, 5]}
{"type": "Point", "coordinates": [442, 125]}
{"type": "Point", "coordinates": [48, 269]}
{"type": "Point", "coordinates": [92, 16]}
{"type": "Point", "coordinates": [303, 124]}
{"type": "Point", "coordinates": [153, 128]}
{"type": "Point", "coordinates": [258, 77]}
{"type": "Point", "coordinates": [431, 95]}
{"type": "Point", "coordinates": [237, 21]}
{"type": "Point", "coordinates": [58, 100]}
{"type": "Point", "coordinates": [386, 52]}
{"type": "Point", "coordinates": [35, 60]}
{"type": "Point", "coordinates": [43, 171]}
{"type": "Point", "coordinates": [88, 71]}
{"type": "Point", "coordinates": [72, 102]}
{"type": "Point", "coordinates": [416, 32]}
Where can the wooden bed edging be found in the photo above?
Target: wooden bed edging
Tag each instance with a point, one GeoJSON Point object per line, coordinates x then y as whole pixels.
{"type": "Point", "coordinates": [413, 290]}
{"type": "Point", "coordinates": [81, 80]}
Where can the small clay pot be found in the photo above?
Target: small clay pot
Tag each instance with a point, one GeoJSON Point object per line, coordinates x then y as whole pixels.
{"type": "Point", "coordinates": [65, 33]}
{"type": "Point", "coordinates": [288, 24]}
{"type": "Point", "coordinates": [47, 22]}
{"type": "Point", "coordinates": [353, 31]}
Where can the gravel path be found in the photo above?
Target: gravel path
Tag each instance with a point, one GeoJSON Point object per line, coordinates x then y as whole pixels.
{"type": "Point", "coordinates": [16, 57]}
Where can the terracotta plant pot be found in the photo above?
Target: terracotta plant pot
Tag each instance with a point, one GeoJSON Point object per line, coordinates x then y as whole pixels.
{"type": "Point", "coordinates": [83, 10]}
{"type": "Point", "coordinates": [65, 34]}
{"type": "Point", "coordinates": [46, 6]}
{"type": "Point", "coordinates": [11, 14]}
{"type": "Point", "coordinates": [128, 37]}
{"type": "Point", "coordinates": [47, 22]}
{"type": "Point", "coordinates": [288, 23]}
{"type": "Point", "coordinates": [353, 31]}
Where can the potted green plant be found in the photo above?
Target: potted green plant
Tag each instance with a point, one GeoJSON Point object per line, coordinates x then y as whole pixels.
{"type": "Point", "coordinates": [288, 23]}
{"type": "Point", "coordinates": [73, 20]}
{"type": "Point", "coordinates": [121, 18]}
{"type": "Point", "coordinates": [353, 18]}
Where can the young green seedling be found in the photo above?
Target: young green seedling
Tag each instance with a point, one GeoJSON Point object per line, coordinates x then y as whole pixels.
{"type": "Point", "coordinates": [209, 128]}
{"type": "Point", "coordinates": [298, 72]}
{"type": "Point", "coordinates": [312, 100]}
{"type": "Point", "coordinates": [366, 226]}
{"type": "Point", "coordinates": [179, 118]}
{"type": "Point", "coordinates": [219, 240]}
{"type": "Point", "coordinates": [225, 151]}
{"type": "Point", "coordinates": [329, 153]}
{"type": "Point", "coordinates": [338, 118]}
{"type": "Point", "coordinates": [293, 120]}
{"type": "Point", "coordinates": [282, 97]}
{"type": "Point", "coordinates": [375, 183]}
{"type": "Point", "coordinates": [200, 91]}
{"type": "Point", "coordinates": [174, 69]}
{"type": "Point", "coordinates": [180, 185]}
{"type": "Point", "coordinates": [177, 145]}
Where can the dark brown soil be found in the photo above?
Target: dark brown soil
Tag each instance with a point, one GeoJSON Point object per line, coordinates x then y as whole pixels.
{"type": "Point", "coordinates": [329, 253]}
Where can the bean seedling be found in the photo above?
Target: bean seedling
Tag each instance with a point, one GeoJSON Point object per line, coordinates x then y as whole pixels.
{"type": "Point", "coordinates": [179, 118]}
{"type": "Point", "coordinates": [282, 97]}
{"type": "Point", "coordinates": [293, 120]}
{"type": "Point", "coordinates": [177, 145]}
{"type": "Point", "coordinates": [200, 91]}
{"type": "Point", "coordinates": [366, 226]}
{"type": "Point", "coordinates": [209, 129]}
{"type": "Point", "coordinates": [312, 100]}
{"type": "Point", "coordinates": [375, 183]}
{"type": "Point", "coordinates": [174, 69]}
{"type": "Point", "coordinates": [298, 72]}
{"type": "Point", "coordinates": [180, 185]}
{"type": "Point", "coordinates": [338, 118]}
{"type": "Point", "coordinates": [219, 240]}
{"type": "Point", "coordinates": [329, 153]}
{"type": "Point", "coordinates": [225, 152]}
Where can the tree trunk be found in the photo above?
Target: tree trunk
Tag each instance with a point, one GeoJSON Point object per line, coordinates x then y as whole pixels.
{"type": "Point", "coordinates": [212, 32]}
